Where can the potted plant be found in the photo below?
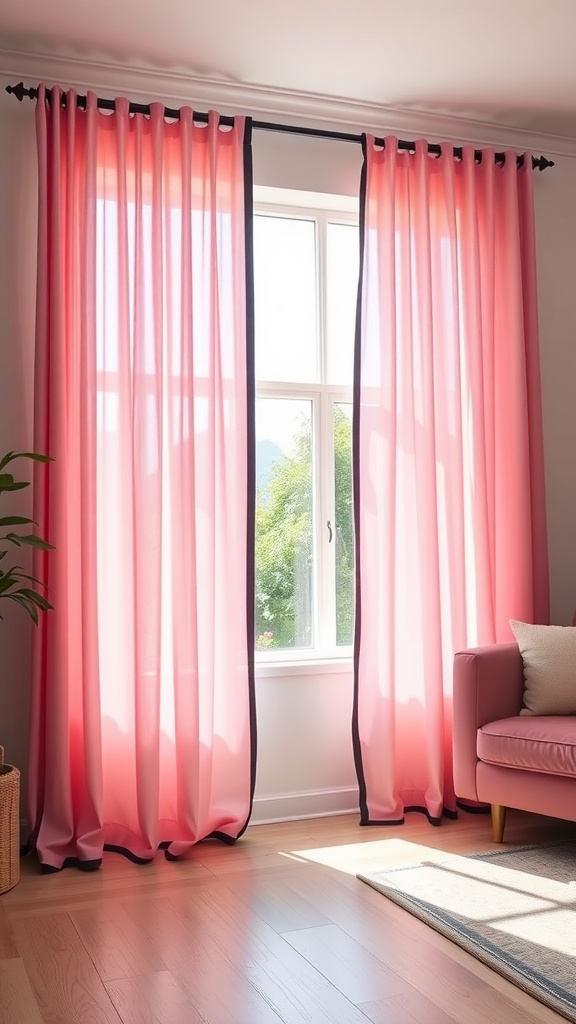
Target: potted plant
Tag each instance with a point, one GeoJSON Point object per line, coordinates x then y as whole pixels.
{"type": "Point", "coordinates": [14, 581]}
{"type": "Point", "coordinates": [19, 586]}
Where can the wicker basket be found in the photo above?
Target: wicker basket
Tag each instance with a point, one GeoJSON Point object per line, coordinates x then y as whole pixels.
{"type": "Point", "coordinates": [9, 824]}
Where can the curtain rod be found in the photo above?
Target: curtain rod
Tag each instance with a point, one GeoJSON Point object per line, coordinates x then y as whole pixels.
{"type": "Point", "coordinates": [20, 91]}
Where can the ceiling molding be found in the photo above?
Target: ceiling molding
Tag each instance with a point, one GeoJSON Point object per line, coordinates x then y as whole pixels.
{"type": "Point", "coordinates": [176, 87]}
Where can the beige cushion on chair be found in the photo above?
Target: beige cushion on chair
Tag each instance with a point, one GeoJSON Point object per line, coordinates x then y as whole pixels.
{"type": "Point", "coordinates": [549, 657]}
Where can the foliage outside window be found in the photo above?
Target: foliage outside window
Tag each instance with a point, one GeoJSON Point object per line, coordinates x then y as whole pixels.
{"type": "Point", "coordinates": [305, 311]}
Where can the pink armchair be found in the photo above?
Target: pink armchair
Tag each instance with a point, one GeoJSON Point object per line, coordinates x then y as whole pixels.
{"type": "Point", "coordinates": [503, 758]}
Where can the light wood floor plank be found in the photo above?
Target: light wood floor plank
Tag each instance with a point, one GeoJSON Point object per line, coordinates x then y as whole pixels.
{"type": "Point", "coordinates": [8, 948]}
{"type": "Point", "coordinates": [116, 945]}
{"type": "Point", "coordinates": [300, 994]}
{"type": "Point", "coordinates": [408, 1008]}
{"type": "Point", "coordinates": [279, 905]}
{"type": "Point", "coordinates": [66, 984]}
{"type": "Point", "coordinates": [352, 969]}
{"type": "Point", "coordinates": [152, 999]}
{"type": "Point", "coordinates": [274, 930]}
{"type": "Point", "coordinates": [219, 992]}
{"type": "Point", "coordinates": [37, 893]}
{"type": "Point", "coordinates": [17, 1000]}
{"type": "Point", "coordinates": [241, 935]}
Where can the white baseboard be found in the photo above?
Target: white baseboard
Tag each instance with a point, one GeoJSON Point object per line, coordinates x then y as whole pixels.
{"type": "Point", "coordinates": [309, 804]}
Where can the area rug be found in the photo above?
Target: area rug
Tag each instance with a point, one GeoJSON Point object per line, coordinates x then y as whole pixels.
{"type": "Point", "coordinates": [513, 909]}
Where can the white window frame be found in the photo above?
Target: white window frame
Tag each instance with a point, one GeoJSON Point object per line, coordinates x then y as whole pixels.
{"type": "Point", "coordinates": [323, 398]}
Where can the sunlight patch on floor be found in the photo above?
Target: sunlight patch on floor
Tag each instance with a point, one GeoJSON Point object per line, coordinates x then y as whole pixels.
{"type": "Point", "coordinates": [371, 856]}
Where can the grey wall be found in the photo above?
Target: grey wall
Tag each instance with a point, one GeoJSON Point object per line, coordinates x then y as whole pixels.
{"type": "Point", "coordinates": [17, 273]}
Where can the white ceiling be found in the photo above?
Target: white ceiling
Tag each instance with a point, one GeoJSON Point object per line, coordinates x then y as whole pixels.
{"type": "Point", "coordinates": [507, 62]}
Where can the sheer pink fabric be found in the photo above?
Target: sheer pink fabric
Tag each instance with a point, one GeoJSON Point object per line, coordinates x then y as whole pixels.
{"type": "Point", "coordinates": [142, 703]}
{"type": "Point", "coordinates": [449, 485]}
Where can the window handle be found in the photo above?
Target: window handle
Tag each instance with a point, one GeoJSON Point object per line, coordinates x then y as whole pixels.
{"type": "Point", "coordinates": [328, 524]}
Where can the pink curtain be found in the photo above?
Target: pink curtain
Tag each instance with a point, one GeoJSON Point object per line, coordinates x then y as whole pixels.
{"type": "Point", "coordinates": [142, 726]}
{"type": "Point", "coordinates": [449, 484]}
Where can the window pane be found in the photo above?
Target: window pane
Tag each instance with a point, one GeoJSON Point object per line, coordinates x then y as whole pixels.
{"type": "Point", "coordinates": [344, 523]}
{"type": "Point", "coordinates": [284, 515]}
{"type": "Point", "coordinates": [341, 289]}
{"type": "Point", "coordinates": [285, 299]}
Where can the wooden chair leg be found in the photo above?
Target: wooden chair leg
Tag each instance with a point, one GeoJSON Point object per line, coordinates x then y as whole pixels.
{"type": "Point", "coordinates": [498, 822]}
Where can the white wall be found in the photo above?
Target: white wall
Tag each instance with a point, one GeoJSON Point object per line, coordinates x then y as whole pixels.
{"type": "Point", "coordinates": [305, 763]}
{"type": "Point", "coordinates": [305, 755]}
{"type": "Point", "coordinates": [311, 165]}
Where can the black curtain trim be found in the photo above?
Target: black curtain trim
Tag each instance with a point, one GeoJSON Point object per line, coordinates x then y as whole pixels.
{"type": "Point", "coordinates": [251, 454]}
{"type": "Point", "coordinates": [74, 862]}
{"type": "Point", "coordinates": [21, 91]}
{"type": "Point", "coordinates": [446, 813]}
{"type": "Point", "coordinates": [93, 865]}
{"type": "Point", "coordinates": [356, 745]}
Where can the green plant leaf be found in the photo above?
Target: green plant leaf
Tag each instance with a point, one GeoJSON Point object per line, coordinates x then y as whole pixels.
{"type": "Point", "coordinates": [37, 599]}
{"type": "Point", "coordinates": [15, 583]}
{"type": "Point", "coordinates": [30, 608]}
{"type": "Point", "coordinates": [7, 580]}
{"type": "Point", "coordinates": [12, 581]}
{"type": "Point", "coordinates": [16, 574]}
{"type": "Point", "coordinates": [15, 521]}
{"type": "Point", "coordinates": [18, 486]}
{"type": "Point", "coordinates": [10, 456]}
{"type": "Point", "coordinates": [30, 539]}
{"type": "Point", "coordinates": [31, 579]}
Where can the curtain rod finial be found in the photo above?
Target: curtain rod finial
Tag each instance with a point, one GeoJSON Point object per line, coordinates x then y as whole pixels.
{"type": "Point", "coordinates": [19, 91]}
{"type": "Point", "coordinates": [541, 163]}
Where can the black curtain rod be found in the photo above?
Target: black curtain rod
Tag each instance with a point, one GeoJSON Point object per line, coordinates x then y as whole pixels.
{"type": "Point", "coordinates": [20, 91]}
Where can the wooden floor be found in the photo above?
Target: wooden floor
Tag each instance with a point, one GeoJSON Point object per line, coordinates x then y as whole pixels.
{"type": "Point", "coordinates": [276, 928]}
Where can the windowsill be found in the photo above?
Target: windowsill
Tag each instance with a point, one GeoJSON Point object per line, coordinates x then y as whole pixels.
{"type": "Point", "coordinates": [303, 667]}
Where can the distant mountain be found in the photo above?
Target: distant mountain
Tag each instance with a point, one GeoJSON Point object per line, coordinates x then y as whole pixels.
{"type": "Point", "coordinates": [266, 453]}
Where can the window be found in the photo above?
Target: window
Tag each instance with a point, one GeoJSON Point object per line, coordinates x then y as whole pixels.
{"type": "Point", "coordinates": [306, 276]}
